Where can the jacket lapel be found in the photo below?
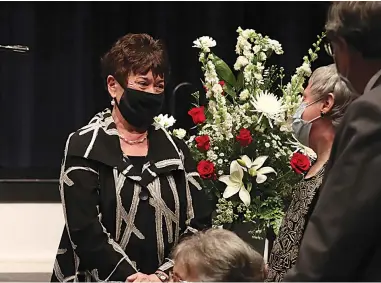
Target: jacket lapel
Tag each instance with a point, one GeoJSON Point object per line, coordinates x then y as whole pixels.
{"type": "Point", "coordinates": [100, 142]}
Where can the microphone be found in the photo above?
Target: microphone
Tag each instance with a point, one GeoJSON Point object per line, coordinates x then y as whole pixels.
{"type": "Point", "coordinates": [15, 48]}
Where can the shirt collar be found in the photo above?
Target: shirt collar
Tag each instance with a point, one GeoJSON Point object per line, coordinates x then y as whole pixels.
{"type": "Point", "coordinates": [372, 81]}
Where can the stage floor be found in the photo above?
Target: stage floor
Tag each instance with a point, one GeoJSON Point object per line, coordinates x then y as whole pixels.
{"type": "Point", "coordinates": [25, 277]}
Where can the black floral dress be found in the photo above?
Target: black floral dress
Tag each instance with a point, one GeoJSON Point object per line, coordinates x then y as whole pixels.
{"type": "Point", "coordinates": [286, 246]}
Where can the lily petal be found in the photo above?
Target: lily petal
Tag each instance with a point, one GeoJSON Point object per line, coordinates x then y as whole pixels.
{"type": "Point", "coordinates": [266, 170]}
{"type": "Point", "coordinates": [236, 172]}
{"type": "Point", "coordinates": [230, 191]}
{"type": "Point", "coordinates": [259, 161]}
{"type": "Point", "coordinates": [225, 179]}
{"type": "Point", "coordinates": [245, 196]}
{"type": "Point", "coordinates": [261, 178]}
{"type": "Point", "coordinates": [247, 161]}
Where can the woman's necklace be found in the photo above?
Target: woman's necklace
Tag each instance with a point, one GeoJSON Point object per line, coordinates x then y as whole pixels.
{"type": "Point", "coordinates": [134, 142]}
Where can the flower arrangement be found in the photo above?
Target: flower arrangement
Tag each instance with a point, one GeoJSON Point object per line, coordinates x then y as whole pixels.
{"type": "Point", "coordinates": [244, 144]}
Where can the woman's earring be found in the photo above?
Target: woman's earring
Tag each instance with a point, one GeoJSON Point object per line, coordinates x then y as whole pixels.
{"type": "Point", "coordinates": [322, 114]}
{"type": "Point", "coordinates": [113, 102]}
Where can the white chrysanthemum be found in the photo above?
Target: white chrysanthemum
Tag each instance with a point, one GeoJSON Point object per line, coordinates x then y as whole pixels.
{"type": "Point", "coordinates": [163, 121]}
{"type": "Point", "coordinates": [204, 43]}
{"type": "Point", "coordinates": [268, 105]}
{"type": "Point", "coordinates": [179, 133]}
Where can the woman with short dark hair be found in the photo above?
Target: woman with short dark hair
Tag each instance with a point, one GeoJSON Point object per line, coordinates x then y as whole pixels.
{"type": "Point", "coordinates": [127, 188]}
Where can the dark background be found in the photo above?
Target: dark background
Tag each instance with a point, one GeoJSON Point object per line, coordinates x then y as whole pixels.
{"type": "Point", "coordinates": [56, 87]}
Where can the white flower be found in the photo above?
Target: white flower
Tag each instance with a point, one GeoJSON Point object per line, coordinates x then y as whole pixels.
{"type": "Point", "coordinates": [201, 57]}
{"type": "Point", "coordinates": [217, 89]}
{"type": "Point", "coordinates": [306, 69]}
{"type": "Point", "coordinates": [241, 62]}
{"type": "Point", "coordinates": [258, 76]}
{"type": "Point", "coordinates": [248, 33]}
{"type": "Point", "coordinates": [262, 56]}
{"type": "Point", "coordinates": [254, 167]}
{"type": "Point", "coordinates": [211, 155]}
{"type": "Point", "coordinates": [179, 133]}
{"type": "Point", "coordinates": [268, 105]}
{"type": "Point", "coordinates": [191, 138]}
{"type": "Point", "coordinates": [267, 144]}
{"type": "Point", "coordinates": [235, 183]}
{"type": "Point", "coordinates": [163, 121]}
{"type": "Point", "coordinates": [276, 46]}
{"type": "Point", "coordinates": [204, 43]}
{"type": "Point", "coordinates": [304, 149]}
{"type": "Point", "coordinates": [256, 49]}
{"type": "Point", "coordinates": [220, 172]}
{"type": "Point", "coordinates": [220, 161]}
{"type": "Point", "coordinates": [244, 95]}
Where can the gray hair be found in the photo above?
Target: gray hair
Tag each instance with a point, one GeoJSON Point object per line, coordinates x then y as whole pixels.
{"type": "Point", "coordinates": [325, 80]}
{"type": "Point", "coordinates": [219, 255]}
{"type": "Point", "coordinates": [359, 23]}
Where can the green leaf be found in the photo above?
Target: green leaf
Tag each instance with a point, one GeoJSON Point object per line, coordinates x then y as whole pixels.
{"type": "Point", "coordinates": [229, 90]}
{"type": "Point", "coordinates": [249, 187]}
{"type": "Point", "coordinates": [224, 72]}
{"type": "Point", "coordinates": [240, 82]}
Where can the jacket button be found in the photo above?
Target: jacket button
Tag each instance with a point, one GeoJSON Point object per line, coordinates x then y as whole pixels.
{"type": "Point", "coordinates": [143, 195]}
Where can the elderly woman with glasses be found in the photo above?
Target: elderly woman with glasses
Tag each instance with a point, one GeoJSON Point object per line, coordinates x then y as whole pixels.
{"type": "Point", "coordinates": [129, 190]}
{"type": "Point", "coordinates": [324, 103]}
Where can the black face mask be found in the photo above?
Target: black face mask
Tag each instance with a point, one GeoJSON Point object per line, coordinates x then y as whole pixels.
{"type": "Point", "coordinates": [140, 107]}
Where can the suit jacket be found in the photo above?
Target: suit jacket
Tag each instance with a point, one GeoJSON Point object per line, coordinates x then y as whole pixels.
{"type": "Point", "coordinates": [342, 239]}
{"type": "Point", "coordinates": [121, 216]}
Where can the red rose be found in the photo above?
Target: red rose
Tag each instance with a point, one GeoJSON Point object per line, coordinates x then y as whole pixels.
{"type": "Point", "coordinates": [300, 163]}
{"type": "Point", "coordinates": [206, 169]}
{"type": "Point", "coordinates": [222, 83]}
{"type": "Point", "coordinates": [203, 142]}
{"type": "Point", "coordinates": [197, 114]}
{"type": "Point", "coordinates": [244, 137]}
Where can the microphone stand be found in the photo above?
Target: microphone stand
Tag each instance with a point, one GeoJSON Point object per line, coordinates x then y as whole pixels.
{"type": "Point", "coordinates": [14, 48]}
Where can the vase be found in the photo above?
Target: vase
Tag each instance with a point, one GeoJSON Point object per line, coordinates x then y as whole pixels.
{"type": "Point", "coordinates": [242, 230]}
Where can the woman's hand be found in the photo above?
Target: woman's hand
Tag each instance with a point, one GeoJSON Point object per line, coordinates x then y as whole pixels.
{"type": "Point", "coordinates": [141, 277]}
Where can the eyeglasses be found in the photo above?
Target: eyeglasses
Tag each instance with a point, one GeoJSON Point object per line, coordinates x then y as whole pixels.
{"type": "Point", "coordinates": [328, 48]}
{"type": "Point", "coordinates": [174, 278]}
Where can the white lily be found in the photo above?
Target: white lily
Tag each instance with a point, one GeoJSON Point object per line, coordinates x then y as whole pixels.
{"type": "Point", "coordinates": [235, 184]}
{"type": "Point", "coordinates": [254, 167]}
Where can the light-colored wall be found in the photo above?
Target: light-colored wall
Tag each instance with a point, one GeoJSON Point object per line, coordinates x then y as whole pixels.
{"type": "Point", "coordinates": [29, 236]}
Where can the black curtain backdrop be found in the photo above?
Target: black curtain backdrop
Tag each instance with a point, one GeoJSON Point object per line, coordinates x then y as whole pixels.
{"type": "Point", "coordinates": [56, 87]}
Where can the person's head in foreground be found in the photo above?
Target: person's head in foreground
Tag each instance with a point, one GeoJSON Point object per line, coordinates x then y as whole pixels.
{"type": "Point", "coordinates": [325, 100]}
{"type": "Point", "coordinates": [134, 70]}
{"type": "Point", "coordinates": [216, 255]}
{"type": "Point", "coordinates": [354, 31]}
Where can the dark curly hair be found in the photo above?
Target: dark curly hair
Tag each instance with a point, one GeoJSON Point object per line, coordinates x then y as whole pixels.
{"type": "Point", "coordinates": [135, 54]}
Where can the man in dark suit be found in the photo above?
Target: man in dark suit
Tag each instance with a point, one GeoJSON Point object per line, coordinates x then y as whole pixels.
{"type": "Point", "coordinates": [342, 241]}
